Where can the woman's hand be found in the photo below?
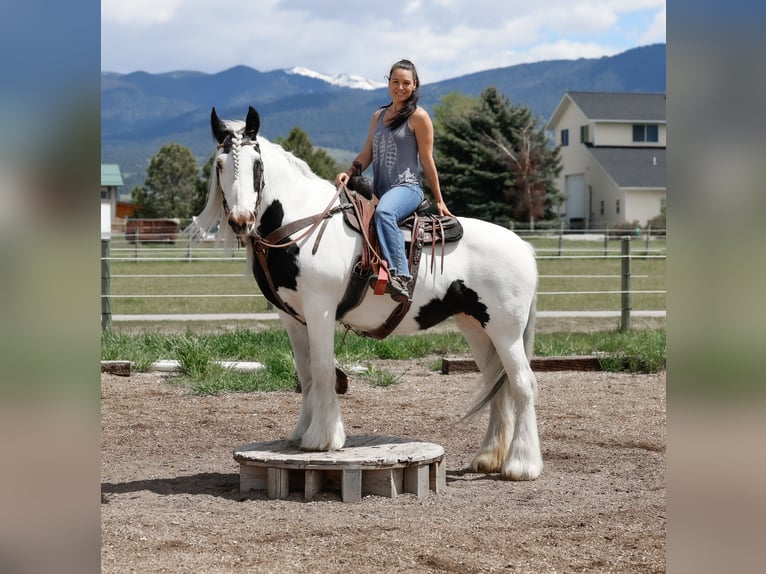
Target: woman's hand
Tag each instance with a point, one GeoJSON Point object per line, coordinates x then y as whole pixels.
{"type": "Point", "coordinates": [442, 209]}
{"type": "Point", "coordinates": [341, 178]}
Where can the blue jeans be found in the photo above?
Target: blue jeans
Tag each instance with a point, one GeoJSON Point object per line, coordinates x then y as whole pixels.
{"type": "Point", "coordinates": [395, 204]}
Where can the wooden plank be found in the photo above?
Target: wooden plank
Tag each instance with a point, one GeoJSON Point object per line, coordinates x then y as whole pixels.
{"type": "Point", "coordinates": [452, 365]}
{"type": "Point", "coordinates": [277, 483]}
{"type": "Point", "coordinates": [574, 363]}
{"type": "Point", "coordinates": [121, 368]}
{"type": "Point", "coordinates": [313, 483]}
{"type": "Point", "coordinates": [385, 482]}
{"type": "Point", "coordinates": [351, 489]}
{"type": "Point", "coordinates": [437, 476]}
{"type": "Point", "coordinates": [251, 478]}
{"type": "Point", "coordinates": [416, 480]}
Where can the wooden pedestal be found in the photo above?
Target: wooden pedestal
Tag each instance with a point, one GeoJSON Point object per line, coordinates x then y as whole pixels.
{"type": "Point", "coordinates": [379, 465]}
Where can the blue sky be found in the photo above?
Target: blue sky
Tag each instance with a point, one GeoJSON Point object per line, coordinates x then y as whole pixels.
{"type": "Point", "coordinates": [445, 38]}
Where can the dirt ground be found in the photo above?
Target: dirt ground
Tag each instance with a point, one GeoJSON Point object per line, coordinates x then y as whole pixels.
{"type": "Point", "coordinates": [171, 500]}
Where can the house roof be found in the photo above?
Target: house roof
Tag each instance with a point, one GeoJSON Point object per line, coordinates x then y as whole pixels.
{"type": "Point", "coordinates": [620, 106]}
{"type": "Point", "coordinates": [613, 106]}
{"type": "Point", "coordinates": [633, 166]}
{"type": "Point", "coordinates": [110, 175]}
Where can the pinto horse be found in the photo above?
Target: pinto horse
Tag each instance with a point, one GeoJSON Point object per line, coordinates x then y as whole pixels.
{"type": "Point", "coordinates": [486, 281]}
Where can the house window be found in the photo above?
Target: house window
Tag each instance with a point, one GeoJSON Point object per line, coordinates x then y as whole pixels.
{"type": "Point", "coordinates": [602, 207]}
{"type": "Point", "coordinates": [618, 207]}
{"type": "Point", "coordinates": [646, 133]}
{"type": "Point", "coordinates": [584, 135]}
{"type": "Point", "coordinates": [104, 193]}
{"type": "Point", "coordinates": [564, 137]}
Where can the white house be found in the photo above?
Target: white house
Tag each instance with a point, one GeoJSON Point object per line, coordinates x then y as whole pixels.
{"type": "Point", "coordinates": [111, 180]}
{"type": "Point", "coordinates": [613, 157]}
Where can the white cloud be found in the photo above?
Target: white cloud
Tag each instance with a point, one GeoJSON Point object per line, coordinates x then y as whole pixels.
{"type": "Point", "coordinates": [445, 38]}
{"type": "Point", "coordinates": [657, 29]}
{"type": "Point", "coordinates": [139, 11]}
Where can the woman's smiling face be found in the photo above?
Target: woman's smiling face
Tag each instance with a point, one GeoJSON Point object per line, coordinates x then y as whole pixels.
{"type": "Point", "coordinates": [401, 85]}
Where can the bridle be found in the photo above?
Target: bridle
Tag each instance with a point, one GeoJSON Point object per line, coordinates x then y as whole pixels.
{"type": "Point", "coordinates": [226, 146]}
{"type": "Point", "coordinates": [275, 239]}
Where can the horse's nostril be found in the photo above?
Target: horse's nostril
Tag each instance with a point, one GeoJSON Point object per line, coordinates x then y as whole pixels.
{"type": "Point", "coordinates": [241, 222]}
{"type": "Point", "coordinates": [236, 223]}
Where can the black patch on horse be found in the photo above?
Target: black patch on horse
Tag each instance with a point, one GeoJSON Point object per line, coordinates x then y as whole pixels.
{"type": "Point", "coordinates": [457, 299]}
{"type": "Point", "coordinates": [282, 263]}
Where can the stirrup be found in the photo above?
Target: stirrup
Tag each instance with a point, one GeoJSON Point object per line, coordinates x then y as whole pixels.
{"type": "Point", "coordinates": [396, 287]}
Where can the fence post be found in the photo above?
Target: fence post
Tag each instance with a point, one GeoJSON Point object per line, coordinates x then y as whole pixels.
{"type": "Point", "coordinates": [648, 236]}
{"type": "Point", "coordinates": [106, 302]}
{"type": "Point", "coordinates": [606, 240]}
{"type": "Point", "coordinates": [561, 236]}
{"type": "Point", "coordinates": [625, 284]}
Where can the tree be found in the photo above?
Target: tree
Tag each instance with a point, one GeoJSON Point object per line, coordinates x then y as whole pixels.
{"type": "Point", "coordinates": [171, 183]}
{"type": "Point", "coordinates": [494, 160]}
{"type": "Point", "coordinates": [203, 187]}
{"type": "Point", "coordinates": [319, 160]}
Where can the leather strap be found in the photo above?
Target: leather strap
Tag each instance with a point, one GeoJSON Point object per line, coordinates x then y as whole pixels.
{"type": "Point", "coordinates": [262, 245]}
{"type": "Point", "coordinates": [396, 316]}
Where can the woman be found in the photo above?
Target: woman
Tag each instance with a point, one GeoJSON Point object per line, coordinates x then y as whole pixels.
{"type": "Point", "coordinates": [400, 134]}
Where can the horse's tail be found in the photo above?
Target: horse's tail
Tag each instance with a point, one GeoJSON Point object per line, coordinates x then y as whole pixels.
{"type": "Point", "coordinates": [529, 330]}
{"type": "Point", "coordinates": [501, 377]}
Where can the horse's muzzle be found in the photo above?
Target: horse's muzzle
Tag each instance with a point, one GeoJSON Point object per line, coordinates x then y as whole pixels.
{"type": "Point", "coordinates": [241, 222]}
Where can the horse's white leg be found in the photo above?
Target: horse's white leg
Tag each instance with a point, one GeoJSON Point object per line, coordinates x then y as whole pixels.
{"type": "Point", "coordinates": [497, 439]}
{"type": "Point", "coordinates": [325, 429]}
{"type": "Point", "coordinates": [524, 460]}
{"type": "Point", "coordinates": [299, 341]}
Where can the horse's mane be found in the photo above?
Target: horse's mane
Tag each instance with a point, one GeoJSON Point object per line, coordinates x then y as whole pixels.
{"type": "Point", "coordinates": [271, 151]}
{"type": "Point", "coordinates": [211, 219]}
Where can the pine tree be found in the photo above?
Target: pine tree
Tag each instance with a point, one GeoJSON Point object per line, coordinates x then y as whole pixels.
{"type": "Point", "coordinates": [172, 181]}
{"type": "Point", "coordinates": [319, 160]}
{"type": "Point", "coordinates": [494, 160]}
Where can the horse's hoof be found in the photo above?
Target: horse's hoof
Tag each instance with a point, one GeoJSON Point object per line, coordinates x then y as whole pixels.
{"type": "Point", "coordinates": [341, 382]}
{"type": "Point", "coordinates": [515, 470]}
{"type": "Point", "coordinates": [485, 464]}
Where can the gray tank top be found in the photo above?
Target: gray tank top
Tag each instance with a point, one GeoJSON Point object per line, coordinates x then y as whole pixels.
{"type": "Point", "coordinates": [394, 157]}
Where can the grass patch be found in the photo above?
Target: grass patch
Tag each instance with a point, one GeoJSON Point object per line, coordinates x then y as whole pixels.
{"type": "Point", "coordinates": [644, 349]}
{"type": "Point", "coordinates": [380, 377]}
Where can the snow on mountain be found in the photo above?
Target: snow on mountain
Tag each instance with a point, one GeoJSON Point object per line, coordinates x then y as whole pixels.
{"type": "Point", "coordinates": [344, 80]}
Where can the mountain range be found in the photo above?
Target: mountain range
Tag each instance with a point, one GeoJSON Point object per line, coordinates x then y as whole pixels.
{"type": "Point", "coordinates": [140, 112]}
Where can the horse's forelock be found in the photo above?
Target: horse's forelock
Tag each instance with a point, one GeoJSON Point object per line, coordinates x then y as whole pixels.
{"type": "Point", "coordinates": [234, 127]}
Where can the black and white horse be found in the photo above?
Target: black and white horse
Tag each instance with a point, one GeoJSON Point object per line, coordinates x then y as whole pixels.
{"type": "Point", "coordinates": [486, 281]}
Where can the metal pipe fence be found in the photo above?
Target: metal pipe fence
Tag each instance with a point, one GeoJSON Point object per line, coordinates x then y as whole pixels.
{"type": "Point", "coordinates": [205, 280]}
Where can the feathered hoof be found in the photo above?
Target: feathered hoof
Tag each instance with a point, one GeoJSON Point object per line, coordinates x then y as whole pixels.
{"type": "Point", "coordinates": [334, 442]}
{"type": "Point", "coordinates": [485, 463]}
{"type": "Point", "coordinates": [516, 470]}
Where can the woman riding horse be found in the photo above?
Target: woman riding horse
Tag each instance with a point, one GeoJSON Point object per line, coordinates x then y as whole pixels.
{"type": "Point", "coordinates": [400, 133]}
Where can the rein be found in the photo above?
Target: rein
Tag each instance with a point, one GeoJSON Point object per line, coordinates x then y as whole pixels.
{"type": "Point", "coordinates": [275, 240]}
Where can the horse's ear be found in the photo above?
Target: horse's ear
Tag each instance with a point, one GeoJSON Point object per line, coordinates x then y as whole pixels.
{"type": "Point", "coordinates": [219, 131]}
{"type": "Point", "coordinates": [252, 123]}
